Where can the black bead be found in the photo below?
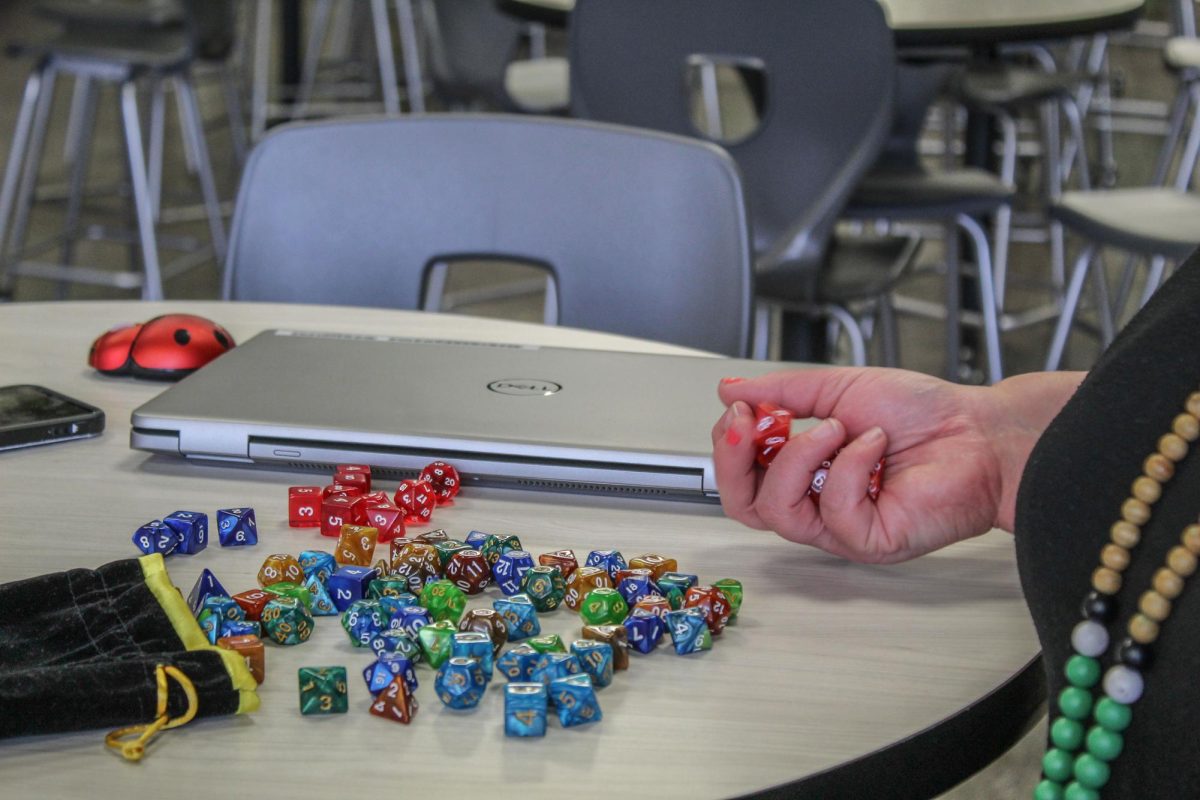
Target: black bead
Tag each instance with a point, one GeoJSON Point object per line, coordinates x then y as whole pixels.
{"type": "Point", "coordinates": [1134, 654]}
{"type": "Point", "coordinates": [1099, 607]}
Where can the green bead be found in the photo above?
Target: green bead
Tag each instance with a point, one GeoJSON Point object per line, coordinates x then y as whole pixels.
{"type": "Point", "coordinates": [1083, 671]}
{"type": "Point", "coordinates": [1056, 765]}
{"type": "Point", "coordinates": [443, 600]}
{"type": "Point", "coordinates": [1113, 716]}
{"type": "Point", "coordinates": [1077, 791]}
{"type": "Point", "coordinates": [1104, 744]}
{"type": "Point", "coordinates": [1074, 703]}
{"type": "Point", "coordinates": [436, 640]}
{"type": "Point", "coordinates": [1066, 733]}
{"type": "Point", "coordinates": [1091, 771]}
{"type": "Point", "coordinates": [1048, 790]}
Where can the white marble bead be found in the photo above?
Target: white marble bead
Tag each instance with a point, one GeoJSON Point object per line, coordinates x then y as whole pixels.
{"type": "Point", "coordinates": [1089, 639]}
{"type": "Point", "coordinates": [1123, 684]}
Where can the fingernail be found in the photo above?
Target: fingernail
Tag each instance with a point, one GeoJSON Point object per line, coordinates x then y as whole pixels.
{"type": "Point", "coordinates": [738, 408]}
{"type": "Point", "coordinates": [728, 381]}
{"type": "Point", "coordinates": [733, 438]}
{"type": "Point", "coordinates": [827, 431]}
{"type": "Point", "coordinates": [872, 436]}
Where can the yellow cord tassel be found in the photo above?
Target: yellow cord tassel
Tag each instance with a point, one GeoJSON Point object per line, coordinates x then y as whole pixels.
{"type": "Point", "coordinates": [135, 749]}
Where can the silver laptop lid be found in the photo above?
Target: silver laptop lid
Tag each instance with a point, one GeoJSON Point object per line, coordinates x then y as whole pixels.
{"type": "Point", "coordinates": [523, 416]}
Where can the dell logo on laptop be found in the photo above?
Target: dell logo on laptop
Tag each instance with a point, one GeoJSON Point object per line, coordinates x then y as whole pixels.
{"type": "Point", "coordinates": [525, 387]}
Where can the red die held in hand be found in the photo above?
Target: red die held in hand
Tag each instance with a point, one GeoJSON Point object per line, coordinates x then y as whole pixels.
{"type": "Point", "coordinates": [772, 427]}
{"type": "Point", "coordinates": [417, 500]}
{"type": "Point", "coordinates": [444, 479]}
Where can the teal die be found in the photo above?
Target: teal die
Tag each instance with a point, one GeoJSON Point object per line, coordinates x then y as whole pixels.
{"type": "Point", "coordinates": [394, 604]}
{"type": "Point", "coordinates": [509, 541]}
{"type": "Point", "coordinates": [596, 659]}
{"type": "Point", "coordinates": [574, 699]}
{"type": "Point", "coordinates": [525, 709]}
{"type": "Point", "coordinates": [323, 690]}
{"type": "Point", "coordinates": [363, 621]}
{"type": "Point", "coordinates": [689, 630]}
{"type": "Point", "coordinates": [519, 615]}
{"type": "Point", "coordinates": [472, 644]}
{"type": "Point", "coordinates": [460, 683]}
{"type": "Point", "coordinates": [544, 586]}
{"type": "Point", "coordinates": [286, 621]}
{"type": "Point", "coordinates": [395, 641]}
{"type": "Point", "coordinates": [210, 625]}
{"type": "Point", "coordinates": [317, 563]}
{"type": "Point", "coordinates": [486, 544]}
{"type": "Point", "coordinates": [388, 587]}
{"type": "Point", "coordinates": [239, 627]}
{"type": "Point", "coordinates": [322, 603]}
{"type": "Point", "coordinates": [517, 664]}
{"type": "Point", "coordinates": [446, 550]}
{"type": "Point", "coordinates": [552, 666]}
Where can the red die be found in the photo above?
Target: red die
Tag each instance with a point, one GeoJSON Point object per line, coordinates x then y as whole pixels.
{"type": "Point", "coordinates": [374, 498]}
{"type": "Point", "coordinates": [444, 479]}
{"type": "Point", "coordinates": [354, 469]}
{"type": "Point", "coordinates": [359, 480]}
{"type": "Point", "coordinates": [336, 510]}
{"type": "Point", "coordinates": [253, 602]}
{"type": "Point", "coordinates": [713, 602]}
{"type": "Point", "coordinates": [563, 559]}
{"type": "Point", "coordinates": [304, 506]}
{"type": "Point", "coordinates": [388, 519]}
{"type": "Point", "coordinates": [417, 500]}
{"type": "Point", "coordinates": [344, 489]}
{"type": "Point", "coordinates": [875, 483]}
{"type": "Point", "coordinates": [772, 427]}
{"type": "Point", "coordinates": [469, 570]}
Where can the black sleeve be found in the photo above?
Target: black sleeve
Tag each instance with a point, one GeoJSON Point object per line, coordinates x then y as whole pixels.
{"type": "Point", "coordinates": [1071, 492]}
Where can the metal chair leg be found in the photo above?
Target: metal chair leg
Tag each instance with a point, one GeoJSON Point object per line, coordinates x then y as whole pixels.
{"type": "Point", "coordinates": [1058, 342]}
{"type": "Point", "coordinates": [411, 52]}
{"type": "Point", "coordinates": [259, 93]}
{"type": "Point", "coordinates": [987, 295]}
{"type": "Point", "coordinates": [1075, 123]}
{"type": "Point", "coordinates": [17, 155]}
{"type": "Point", "coordinates": [1154, 277]}
{"type": "Point", "coordinates": [233, 109]}
{"type": "Point", "coordinates": [953, 301]}
{"type": "Point", "coordinates": [1002, 228]}
{"type": "Point", "coordinates": [152, 283]}
{"type": "Point", "coordinates": [32, 163]}
{"type": "Point", "coordinates": [1175, 120]}
{"type": "Point", "coordinates": [387, 61]}
{"type": "Point", "coordinates": [190, 109]}
{"type": "Point", "coordinates": [158, 119]}
{"type": "Point", "coordinates": [318, 25]}
{"type": "Point", "coordinates": [80, 161]}
{"type": "Point", "coordinates": [846, 322]}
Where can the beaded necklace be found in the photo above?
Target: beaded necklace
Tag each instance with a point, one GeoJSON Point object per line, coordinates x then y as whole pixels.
{"type": "Point", "coordinates": [1076, 765]}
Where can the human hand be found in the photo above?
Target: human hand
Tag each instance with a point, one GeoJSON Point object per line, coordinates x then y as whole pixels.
{"type": "Point", "coordinates": [954, 457]}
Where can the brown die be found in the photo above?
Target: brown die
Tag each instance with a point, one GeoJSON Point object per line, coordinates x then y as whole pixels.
{"type": "Point", "coordinates": [488, 622]}
{"type": "Point", "coordinates": [356, 545]}
{"type": "Point", "coordinates": [278, 568]}
{"type": "Point", "coordinates": [658, 565]}
{"type": "Point", "coordinates": [584, 580]}
{"type": "Point", "coordinates": [469, 571]}
{"type": "Point", "coordinates": [416, 562]}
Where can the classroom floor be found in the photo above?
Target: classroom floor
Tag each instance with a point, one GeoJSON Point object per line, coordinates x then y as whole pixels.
{"type": "Point", "coordinates": [1138, 68]}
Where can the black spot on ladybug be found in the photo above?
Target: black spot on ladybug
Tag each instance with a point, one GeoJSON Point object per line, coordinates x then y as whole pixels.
{"type": "Point", "coordinates": [182, 337]}
{"type": "Point", "coordinates": [222, 339]}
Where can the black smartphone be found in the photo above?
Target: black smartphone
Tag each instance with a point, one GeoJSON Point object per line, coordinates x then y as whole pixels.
{"type": "Point", "coordinates": [32, 415]}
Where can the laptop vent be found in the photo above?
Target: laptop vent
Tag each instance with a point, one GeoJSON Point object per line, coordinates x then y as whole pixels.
{"type": "Point", "coordinates": [393, 473]}
{"type": "Point", "coordinates": [575, 486]}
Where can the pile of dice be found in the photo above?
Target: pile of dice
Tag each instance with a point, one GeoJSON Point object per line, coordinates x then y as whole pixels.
{"type": "Point", "coordinates": [187, 531]}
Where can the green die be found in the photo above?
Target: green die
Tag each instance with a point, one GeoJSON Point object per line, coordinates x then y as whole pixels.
{"type": "Point", "coordinates": [323, 690]}
{"type": "Point", "coordinates": [446, 550]}
{"type": "Point", "coordinates": [286, 621]}
{"type": "Point", "coordinates": [550, 643]}
{"type": "Point", "coordinates": [443, 600]}
{"type": "Point", "coordinates": [545, 587]}
{"type": "Point", "coordinates": [387, 587]}
{"type": "Point", "coordinates": [437, 641]}
{"type": "Point", "coordinates": [487, 544]}
{"type": "Point", "coordinates": [508, 542]}
{"type": "Point", "coordinates": [288, 589]}
{"type": "Point", "coordinates": [732, 589]}
{"type": "Point", "coordinates": [603, 607]}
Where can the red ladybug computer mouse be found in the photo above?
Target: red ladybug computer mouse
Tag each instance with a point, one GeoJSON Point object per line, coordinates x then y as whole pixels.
{"type": "Point", "coordinates": [165, 348]}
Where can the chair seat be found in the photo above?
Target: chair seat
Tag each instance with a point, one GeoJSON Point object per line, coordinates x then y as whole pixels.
{"type": "Point", "coordinates": [1182, 52]}
{"type": "Point", "coordinates": [115, 48]}
{"type": "Point", "coordinates": [893, 192]}
{"type": "Point", "coordinates": [113, 13]}
{"type": "Point", "coordinates": [539, 85]}
{"type": "Point", "coordinates": [854, 268]}
{"type": "Point", "coordinates": [1008, 87]}
{"type": "Point", "coordinates": [1147, 220]}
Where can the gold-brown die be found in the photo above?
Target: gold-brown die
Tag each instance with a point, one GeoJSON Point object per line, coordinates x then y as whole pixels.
{"type": "Point", "coordinates": [658, 565]}
{"type": "Point", "coordinates": [615, 635]}
{"type": "Point", "coordinates": [416, 562]}
{"type": "Point", "coordinates": [280, 568]}
{"type": "Point", "coordinates": [584, 580]}
{"type": "Point", "coordinates": [356, 545]}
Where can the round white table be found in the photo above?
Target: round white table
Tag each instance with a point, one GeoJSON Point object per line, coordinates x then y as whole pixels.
{"type": "Point", "coordinates": [838, 679]}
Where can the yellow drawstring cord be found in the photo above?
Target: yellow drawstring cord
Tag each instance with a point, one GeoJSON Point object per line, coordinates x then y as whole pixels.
{"type": "Point", "coordinates": [135, 749]}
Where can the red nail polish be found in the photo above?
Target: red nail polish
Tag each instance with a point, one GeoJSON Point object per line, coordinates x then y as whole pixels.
{"type": "Point", "coordinates": [728, 381]}
{"type": "Point", "coordinates": [733, 438]}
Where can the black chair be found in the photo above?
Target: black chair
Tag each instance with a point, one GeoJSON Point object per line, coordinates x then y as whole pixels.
{"type": "Point", "coordinates": [822, 74]}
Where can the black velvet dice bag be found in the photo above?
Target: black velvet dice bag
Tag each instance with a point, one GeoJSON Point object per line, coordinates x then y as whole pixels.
{"type": "Point", "coordinates": [1071, 492]}
{"type": "Point", "coordinates": [80, 649]}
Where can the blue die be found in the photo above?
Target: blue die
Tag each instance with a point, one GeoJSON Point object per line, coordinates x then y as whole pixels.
{"type": "Point", "coordinates": [574, 699]}
{"type": "Point", "coordinates": [156, 537]}
{"type": "Point", "coordinates": [394, 641]}
{"type": "Point", "coordinates": [510, 568]}
{"type": "Point", "coordinates": [525, 709]}
{"type": "Point", "coordinates": [472, 644]}
{"type": "Point", "coordinates": [236, 527]}
{"type": "Point", "coordinates": [363, 621]}
{"type": "Point", "coordinates": [192, 527]}
{"type": "Point", "coordinates": [519, 615]}
{"type": "Point", "coordinates": [552, 666]}
{"type": "Point", "coordinates": [349, 584]}
{"type": "Point", "coordinates": [643, 630]}
{"type": "Point", "coordinates": [239, 627]}
{"type": "Point", "coordinates": [380, 674]}
{"type": "Point", "coordinates": [596, 658]}
{"type": "Point", "coordinates": [517, 664]}
{"type": "Point", "coordinates": [409, 619]}
{"type": "Point", "coordinates": [460, 683]}
{"type": "Point", "coordinates": [318, 563]}
{"type": "Point", "coordinates": [676, 580]}
{"type": "Point", "coordinates": [225, 607]}
{"type": "Point", "coordinates": [392, 604]}
{"type": "Point", "coordinates": [689, 630]}
{"type": "Point", "coordinates": [611, 560]}
{"type": "Point", "coordinates": [322, 603]}
{"type": "Point", "coordinates": [205, 586]}
{"type": "Point", "coordinates": [637, 588]}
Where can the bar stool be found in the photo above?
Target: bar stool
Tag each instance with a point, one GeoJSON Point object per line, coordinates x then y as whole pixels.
{"type": "Point", "coordinates": [122, 57]}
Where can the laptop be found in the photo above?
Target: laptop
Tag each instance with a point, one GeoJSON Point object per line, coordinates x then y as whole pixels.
{"type": "Point", "coordinates": [521, 416]}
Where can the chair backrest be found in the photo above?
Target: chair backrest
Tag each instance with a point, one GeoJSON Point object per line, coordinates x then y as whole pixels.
{"type": "Point", "coordinates": [470, 43]}
{"type": "Point", "coordinates": [828, 68]}
{"type": "Point", "coordinates": [645, 234]}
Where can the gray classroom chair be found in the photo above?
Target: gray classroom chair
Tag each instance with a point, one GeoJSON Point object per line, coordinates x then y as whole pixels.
{"type": "Point", "coordinates": [643, 234]}
{"type": "Point", "coordinates": [825, 71]}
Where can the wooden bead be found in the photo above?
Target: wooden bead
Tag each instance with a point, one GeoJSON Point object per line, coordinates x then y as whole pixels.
{"type": "Point", "coordinates": [1147, 490]}
{"type": "Point", "coordinates": [1107, 581]}
{"type": "Point", "coordinates": [1114, 557]}
{"type": "Point", "coordinates": [1127, 534]}
{"type": "Point", "coordinates": [1186, 426]}
{"type": "Point", "coordinates": [1168, 583]}
{"type": "Point", "coordinates": [1135, 511]}
{"type": "Point", "coordinates": [1142, 629]}
{"type": "Point", "coordinates": [1173, 446]}
{"type": "Point", "coordinates": [1159, 467]}
{"type": "Point", "coordinates": [1181, 561]}
{"type": "Point", "coordinates": [1154, 606]}
{"type": "Point", "coordinates": [1193, 404]}
{"type": "Point", "coordinates": [1191, 539]}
